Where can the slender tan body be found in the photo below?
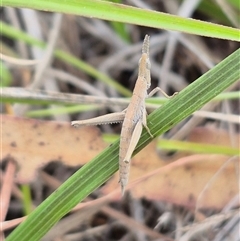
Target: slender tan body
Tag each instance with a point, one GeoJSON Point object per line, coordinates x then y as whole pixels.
{"type": "Point", "coordinates": [134, 117]}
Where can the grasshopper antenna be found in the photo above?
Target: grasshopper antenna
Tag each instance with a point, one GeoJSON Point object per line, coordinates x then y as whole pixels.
{"type": "Point", "coordinates": [145, 46]}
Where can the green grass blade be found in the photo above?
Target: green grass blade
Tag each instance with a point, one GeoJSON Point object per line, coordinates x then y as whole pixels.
{"type": "Point", "coordinates": [5, 76]}
{"type": "Point", "coordinates": [27, 199]}
{"type": "Point", "coordinates": [103, 166]}
{"type": "Point", "coordinates": [197, 147]}
{"type": "Point", "coordinates": [61, 110]}
{"type": "Point", "coordinates": [127, 14]}
{"type": "Point", "coordinates": [235, 3]}
{"type": "Point", "coordinates": [192, 147]}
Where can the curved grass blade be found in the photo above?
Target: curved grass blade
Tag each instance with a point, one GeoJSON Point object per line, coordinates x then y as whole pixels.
{"type": "Point", "coordinates": [128, 14]}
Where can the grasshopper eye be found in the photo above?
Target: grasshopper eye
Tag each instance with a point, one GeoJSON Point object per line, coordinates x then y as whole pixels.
{"type": "Point", "coordinates": [148, 64]}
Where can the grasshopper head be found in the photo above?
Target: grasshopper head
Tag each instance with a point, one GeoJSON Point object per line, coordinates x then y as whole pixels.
{"type": "Point", "coordinates": [144, 69]}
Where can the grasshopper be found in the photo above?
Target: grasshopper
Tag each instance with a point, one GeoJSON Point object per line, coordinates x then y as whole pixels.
{"type": "Point", "coordinates": [134, 117]}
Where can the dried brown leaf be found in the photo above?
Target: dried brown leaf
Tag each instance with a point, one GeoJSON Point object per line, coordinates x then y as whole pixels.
{"type": "Point", "coordinates": [34, 143]}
